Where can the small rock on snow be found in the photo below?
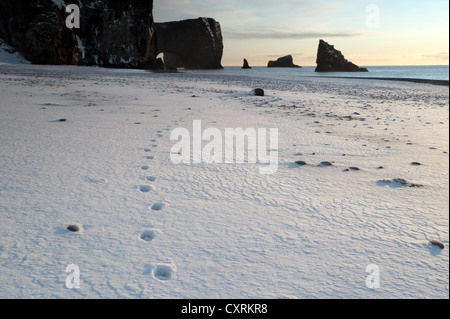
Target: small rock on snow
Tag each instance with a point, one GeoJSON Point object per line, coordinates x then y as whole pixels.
{"type": "Point", "coordinates": [259, 92]}
{"type": "Point", "coordinates": [437, 243]}
{"type": "Point", "coordinates": [73, 228]}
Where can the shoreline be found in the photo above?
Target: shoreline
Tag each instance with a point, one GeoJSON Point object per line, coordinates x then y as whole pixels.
{"type": "Point", "coordinates": [424, 81]}
{"type": "Point", "coordinates": [411, 80]}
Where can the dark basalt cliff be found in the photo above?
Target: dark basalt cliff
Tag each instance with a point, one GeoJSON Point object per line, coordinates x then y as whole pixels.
{"type": "Point", "coordinates": [198, 42]}
{"type": "Point", "coordinates": [283, 62]}
{"type": "Point", "coordinates": [112, 33]}
{"type": "Point", "coordinates": [331, 60]}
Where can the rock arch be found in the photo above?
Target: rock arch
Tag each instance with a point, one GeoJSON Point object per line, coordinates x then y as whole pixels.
{"type": "Point", "coordinates": [197, 42]}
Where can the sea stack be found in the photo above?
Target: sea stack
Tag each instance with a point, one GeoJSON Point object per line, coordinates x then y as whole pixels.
{"type": "Point", "coordinates": [331, 60]}
{"type": "Point", "coordinates": [283, 62]}
{"type": "Point", "coordinates": [246, 66]}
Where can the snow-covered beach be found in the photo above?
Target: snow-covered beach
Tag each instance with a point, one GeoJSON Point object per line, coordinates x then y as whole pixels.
{"type": "Point", "coordinates": [150, 228]}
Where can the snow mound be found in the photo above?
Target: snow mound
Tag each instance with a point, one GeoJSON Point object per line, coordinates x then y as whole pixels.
{"type": "Point", "coordinates": [8, 55]}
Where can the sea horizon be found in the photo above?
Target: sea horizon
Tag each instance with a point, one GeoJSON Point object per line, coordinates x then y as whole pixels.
{"type": "Point", "coordinates": [423, 72]}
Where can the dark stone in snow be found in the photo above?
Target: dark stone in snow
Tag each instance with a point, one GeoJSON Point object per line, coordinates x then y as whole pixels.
{"type": "Point", "coordinates": [437, 243]}
{"type": "Point", "coordinates": [73, 228]}
{"type": "Point", "coordinates": [259, 92]}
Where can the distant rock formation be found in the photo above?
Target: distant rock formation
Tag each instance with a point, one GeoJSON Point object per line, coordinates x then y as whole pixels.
{"type": "Point", "coordinates": [246, 66]}
{"type": "Point", "coordinates": [197, 42]}
{"type": "Point", "coordinates": [112, 33]}
{"type": "Point", "coordinates": [331, 60]}
{"type": "Point", "coordinates": [283, 62]}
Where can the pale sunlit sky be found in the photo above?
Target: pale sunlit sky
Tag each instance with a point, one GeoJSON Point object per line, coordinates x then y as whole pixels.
{"type": "Point", "coordinates": [368, 32]}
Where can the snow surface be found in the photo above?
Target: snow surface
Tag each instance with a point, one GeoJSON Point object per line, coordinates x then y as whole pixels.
{"type": "Point", "coordinates": [154, 229]}
{"type": "Point", "coordinates": [9, 55]}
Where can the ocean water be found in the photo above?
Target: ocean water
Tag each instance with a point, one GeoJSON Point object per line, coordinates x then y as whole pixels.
{"type": "Point", "coordinates": [428, 72]}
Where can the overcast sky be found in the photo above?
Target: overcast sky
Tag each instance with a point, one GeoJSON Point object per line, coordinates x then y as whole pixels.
{"type": "Point", "coordinates": [368, 32]}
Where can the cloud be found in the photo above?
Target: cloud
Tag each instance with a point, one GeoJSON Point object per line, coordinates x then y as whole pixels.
{"type": "Point", "coordinates": [226, 12]}
{"type": "Point", "coordinates": [295, 54]}
{"type": "Point", "coordinates": [282, 35]}
{"type": "Point", "coordinates": [238, 13]}
{"type": "Point", "coordinates": [436, 56]}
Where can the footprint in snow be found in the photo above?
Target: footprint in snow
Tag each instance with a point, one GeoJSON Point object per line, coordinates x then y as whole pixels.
{"type": "Point", "coordinates": [146, 188]}
{"type": "Point", "coordinates": [96, 180]}
{"type": "Point", "coordinates": [157, 206]}
{"type": "Point", "coordinates": [148, 235]}
{"type": "Point", "coordinates": [163, 272]}
{"type": "Point", "coordinates": [353, 168]}
{"type": "Point", "coordinates": [145, 167]}
{"type": "Point", "coordinates": [151, 178]}
{"type": "Point", "coordinates": [325, 164]}
{"type": "Point", "coordinates": [150, 157]}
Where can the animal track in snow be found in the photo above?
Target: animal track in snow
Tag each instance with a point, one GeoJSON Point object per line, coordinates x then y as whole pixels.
{"type": "Point", "coordinates": [150, 157]}
{"type": "Point", "coordinates": [148, 235]}
{"type": "Point", "coordinates": [97, 180]}
{"type": "Point", "coordinates": [158, 206]}
{"type": "Point", "coordinates": [146, 188]}
{"type": "Point", "coordinates": [163, 272]}
{"type": "Point", "coordinates": [145, 167]}
{"type": "Point", "coordinates": [151, 178]}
